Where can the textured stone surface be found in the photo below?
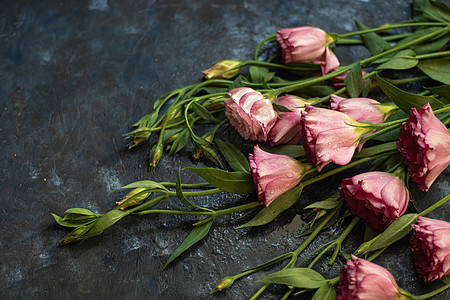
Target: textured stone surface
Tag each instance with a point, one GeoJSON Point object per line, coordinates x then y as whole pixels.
{"type": "Point", "coordinates": [74, 76]}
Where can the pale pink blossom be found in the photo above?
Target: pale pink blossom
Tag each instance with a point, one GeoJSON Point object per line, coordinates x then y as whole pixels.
{"type": "Point", "coordinates": [250, 113]}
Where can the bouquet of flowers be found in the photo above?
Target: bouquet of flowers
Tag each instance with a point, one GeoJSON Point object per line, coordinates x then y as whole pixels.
{"type": "Point", "coordinates": [306, 118]}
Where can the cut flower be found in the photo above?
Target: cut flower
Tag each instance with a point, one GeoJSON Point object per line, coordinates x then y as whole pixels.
{"type": "Point", "coordinates": [274, 174]}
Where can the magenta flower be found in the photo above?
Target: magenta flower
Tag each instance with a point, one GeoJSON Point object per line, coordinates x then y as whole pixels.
{"type": "Point", "coordinates": [361, 279]}
{"type": "Point", "coordinates": [274, 174]}
{"type": "Point", "coordinates": [330, 136]}
{"type": "Point", "coordinates": [425, 143]}
{"type": "Point", "coordinates": [306, 44]}
{"type": "Point", "coordinates": [363, 110]}
{"type": "Point", "coordinates": [430, 246]}
{"type": "Point", "coordinates": [287, 129]}
{"type": "Point", "coordinates": [250, 113]}
{"type": "Point", "coordinates": [377, 198]}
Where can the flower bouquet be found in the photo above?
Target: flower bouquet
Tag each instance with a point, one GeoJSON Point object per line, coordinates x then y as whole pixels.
{"type": "Point", "coordinates": [303, 118]}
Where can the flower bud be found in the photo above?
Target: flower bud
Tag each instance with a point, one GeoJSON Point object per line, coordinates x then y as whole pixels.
{"type": "Point", "coordinates": [74, 236]}
{"type": "Point", "coordinates": [274, 174]}
{"type": "Point", "coordinates": [378, 198]}
{"type": "Point", "coordinates": [430, 246]}
{"type": "Point", "coordinates": [219, 70]}
{"type": "Point", "coordinates": [136, 200]}
{"type": "Point", "coordinates": [306, 44]}
{"type": "Point", "coordinates": [330, 136]}
{"type": "Point", "coordinates": [288, 129]}
{"type": "Point", "coordinates": [155, 155]}
{"type": "Point", "coordinates": [363, 109]}
{"type": "Point", "coordinates": [361, 279]}
{"type": "Point", "coordinates": [224, 284]}
{"type": "Point", "coordinates": [425, 143]}
{"type": "Point", "coordinates": [250, 113]}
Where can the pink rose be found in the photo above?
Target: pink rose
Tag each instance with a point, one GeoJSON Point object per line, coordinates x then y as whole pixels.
{"type": "Point", "coordinates": [361, 279]}
{"type": "Point", "coordinates": [329, 136]}
{"type": "Point", "coordinates": [425, 143]}
{"type": "Point", "coordinates": [363, 110]}
{"type": "Point", "coordinates": [431, 248]}
{"type": "Point", "coordinates": [287, 129]}
{"type": "Point", "coordinates": [250, 113]}
{"type": "Point", "coordinates": [306, 44]}
{"type": "Point", "coordinates": [378, 198]}
{"type": "Point", "coordinates": [274, 174]}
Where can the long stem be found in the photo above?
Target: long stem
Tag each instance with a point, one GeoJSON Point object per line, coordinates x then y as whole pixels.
{"type": "Point", "coordinates": [269, 38]}
{"type": "Point", "coordinates": [228, 211]}
{"type": "Point", "coordinates": [430, 294]}
{"type": "Point", "coordinates": [388, 38]}
{"type": "Point", "coordinates": [432, 55]}
{"type": "Point", "coordinates": [173, 212]}
{"type": "Point", "coordinates": [340, 169]}
{"type": "Point", "coordinates": [434, 206]}
{"type": "Point", "coordinates": [383, 28]}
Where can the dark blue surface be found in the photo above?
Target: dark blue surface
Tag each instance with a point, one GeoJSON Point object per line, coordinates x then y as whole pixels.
{"type": "Point", "coordinates": [74, 76]}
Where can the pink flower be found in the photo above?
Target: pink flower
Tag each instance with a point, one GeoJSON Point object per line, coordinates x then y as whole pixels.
{"type": "Point", "coordinates": [363, 109]}
{"type": "Point", "coordinates": [250, 113]}
{"type": "Point", "coordinates": [431, 248]}
{"type": "Point", "coordinates": [425, 143]}
{"type": "Point", "coordinates": [361, 279]}
{"type": "Point", "coordinates": [306, 44]}
{"type": "Point", "coordinates": [287, 129]}
{"type": "Point", "coordinates": [329, 136]}
{"type": "Point", "coordinates": [274, 174]}
{"type": "Point", "coordinates": [378, 198]}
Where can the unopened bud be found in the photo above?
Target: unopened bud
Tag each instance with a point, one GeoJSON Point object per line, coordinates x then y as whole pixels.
{"type": "Point", "coordinates": [155, 156]}
{"type": "Point", "coordinates": [224, 284]}
{"type": "Point", "coordinates": [219, 70]}
{"type": "Point", "coordinates": [136, 199]}
{"type": "Point", "coordinates": [74, 236]}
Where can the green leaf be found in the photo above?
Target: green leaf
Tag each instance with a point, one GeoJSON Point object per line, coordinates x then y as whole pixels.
{"type": "Point", "coordinates": [404, 100]}
{"type": "Point", "coordinates": [73, 223]}
{"type": "Point", "coordinates": [213, 89]}
{"type": "Point", "coordinates": [106, 221]}
{"type": "Point", "coordinates": [148, 120]}
{"type": "Point", "coordinates": [197, 234]}
{"type": "Point", "coordinates": [296, 277]}
{"type": "Point", "coordinates": [280, 204]}
{"type": "Point", "coordinates": [391, 135]}
{"type": "Point", "coordinates": [403, 60]}
{"type": "Point", "coordinates": [433, 45]}
{"type": "Point", "coordinates": [325, 292]}
{"type": "Point", "coordinates": [437, 69]}
{"type": "Point", "coordinates": [180, 141]}
{"type": "Point", "coordinates": [233, 156]}
{"type": "Point", "coordinates": [169, 132]}
{"type": "Point", "coordinates": [443, 91]}
{"type": "Point", "coordinates": [370, 151]}
{"type": "Point", "coordinates": [353, 80]}
{"type": "Point", "coordinates": [446, 279]}
{"type": "Point", "coordinates": [232, 182]}
{"type": "Point", "coordinates": [397, 230]}
{"type": "Point", "coordinates": [80, 211]}
{"type": "Point", "coordinates": [316, 90]}
{"type": "Point", "coordinates": [366, 87]}
{"type": "Point", "coordinates": [146, 184]}
{"type": "Point", "coordinates": [180, 194]}
{"type": "Point", "coordinates": [426, 10]}
{"type": "Point", "coordinates": [280, 108]}
{"type": "Point", "coordinates": [373, 42]}
{"type": "Point", "coordinates": [326, 204]}
{"type": "Point", "coordinates": [203, 112]}
{"type": "Point", "coordinates": [289, 150]}
{"type": "Point", "coordinates": [238, 82]}
{"type": "Point", "coordinates": [258, 74]}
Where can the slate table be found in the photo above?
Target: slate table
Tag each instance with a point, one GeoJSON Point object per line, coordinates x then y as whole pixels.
{"type": "Point", "coordinates": [74, 76]}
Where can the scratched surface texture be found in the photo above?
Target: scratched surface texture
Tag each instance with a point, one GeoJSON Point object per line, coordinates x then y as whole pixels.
{"type": "Point", "coordinates": [74, 76]}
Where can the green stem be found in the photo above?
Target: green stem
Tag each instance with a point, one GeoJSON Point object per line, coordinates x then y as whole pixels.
{"type": "Point", "coordinates": [430, 294]}
{"type": "Point", "coordinates": [384, 28]}
{"type": "Point", "coordinates": [377, 253]}
{"type": "Point", "coordinates": [228, 211]}
{"type": "Point", "coordinates": [388, 38]}
{"type": "Point", "coordinates": [186, 185]}
{"type": "Point", "coordinates": [434, 206]}
{"type": "Point", "coordinates": [341, 239]}
{"type": "Point", "coordinates": [173, 212]}
{"type": "Point", "coordinates": [269, 38]}
{"type": "Point", "coordinates": [340, 169]}
{"type": "Point", "coordinates": [279, 66]}
{"type": "Point", "coordinates": [197, 193]}
{"type": "Point", "coordinates": [407, 80]}
{"type": "Point", "coordinates": [432, 55]}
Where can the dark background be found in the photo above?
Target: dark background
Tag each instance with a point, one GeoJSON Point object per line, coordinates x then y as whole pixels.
{"type": "Point", "coordinates": [74, 76]}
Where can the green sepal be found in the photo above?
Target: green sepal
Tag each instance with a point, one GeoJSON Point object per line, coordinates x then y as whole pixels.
{"type": "Point", "coordinates": [180, 142]}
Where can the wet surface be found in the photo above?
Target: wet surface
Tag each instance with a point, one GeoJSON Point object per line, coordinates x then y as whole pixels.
{"type": "Point", "coordinates": [74, 77]}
